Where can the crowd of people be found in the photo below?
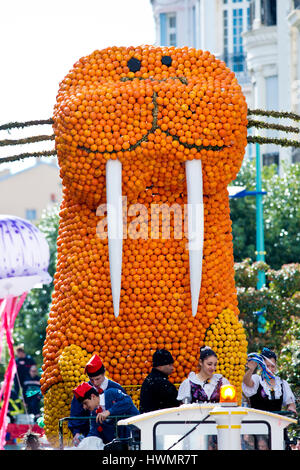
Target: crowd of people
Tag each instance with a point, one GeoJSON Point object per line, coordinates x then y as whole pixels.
{"type": "Point", "coordinates": [104, 398]}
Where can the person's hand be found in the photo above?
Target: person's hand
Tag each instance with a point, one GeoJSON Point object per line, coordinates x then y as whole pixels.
{"type": "Point", "coordinates": [251, 365]}
{"type": "Point", "coordinates": [102, 416]}
{"type": "Point", "coordinates": [77, 438]}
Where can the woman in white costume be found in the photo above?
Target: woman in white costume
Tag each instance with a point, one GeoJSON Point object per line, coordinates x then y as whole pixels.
{"type": "Point", "coordinates": [266, 391]}
{"type": "Point", "coordinates": [205, 385]}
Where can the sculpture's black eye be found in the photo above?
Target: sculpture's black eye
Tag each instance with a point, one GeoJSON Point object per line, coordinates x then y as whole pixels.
{"type": "Point", "coordinates": [166, 60]}
{"type": "Point", "coordinates": [134, 65]}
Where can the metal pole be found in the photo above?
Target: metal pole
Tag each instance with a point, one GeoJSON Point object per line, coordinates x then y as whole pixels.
{"type": "Point", "coordinates": [260, 243]}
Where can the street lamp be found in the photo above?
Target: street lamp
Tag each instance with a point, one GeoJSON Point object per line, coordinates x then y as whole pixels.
{"type": "Point", "coordinates": [260, 242]}
{"type": "Point", "coordinates": [241, 191]}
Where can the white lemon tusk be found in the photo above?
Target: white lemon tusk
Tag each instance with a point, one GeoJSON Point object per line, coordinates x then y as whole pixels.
{"type": "Point", "coordinates": [114, 227]}
{"type": "Point", "coordinates": [194, 183]}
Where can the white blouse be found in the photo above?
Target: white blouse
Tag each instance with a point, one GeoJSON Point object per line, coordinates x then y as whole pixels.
{"type": "Point", "coordinates": [184, 390]}
{"type": "Point", "coordinates": [104, 387]}
{"type": "Point", "coordinates": [288, 396]}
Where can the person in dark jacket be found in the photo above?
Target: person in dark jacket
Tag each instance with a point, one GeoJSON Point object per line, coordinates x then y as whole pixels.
{"type": "Point", "coordinates": [112, 402]}
{"type": "Point", "coordinates": [23, 362]}
{"type": "Point", "coordinates": [96, 373]}
{"type": "Point", "coordinates": [32, 391]}
{"type": "Point", "coordinates": [157, 392]}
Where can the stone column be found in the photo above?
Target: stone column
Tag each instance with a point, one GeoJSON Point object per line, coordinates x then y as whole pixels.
{"type": "Point", "coordinates": [257, 15]}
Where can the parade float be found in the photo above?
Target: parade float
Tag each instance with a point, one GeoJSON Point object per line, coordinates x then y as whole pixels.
{"type": "Point", "coordinates": [147, 140]}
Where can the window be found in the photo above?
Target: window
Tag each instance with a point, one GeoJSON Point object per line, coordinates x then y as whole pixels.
{"type": "Point", "coordinates": [225, 31]}
{"type": "Point", "coordinates": [295, 155]}
{"type": "Point", "coordinates": [252, 11]}
{"type": "Point", "coordinates": [268, 12]}
{"type": "Point", "coordinates": [171, 29]}
{"type": "Point", "coordinates": [189, 435]}
{"type": "Point", "coordinates": [237, 30]}
{"type": "Point", "coordinates": [163, 29]}
{"type": "Point", "coordinates": [203, 435]}
{"type": "Point", "coordinates": [238, 55]}
{"type": "Point", "coordinates": [270, 159]}
{"type": "Point", "coordinates": [236, 20]}
{"type": "Point", "coordinates": [30, 214]}
{"type": "Point", "coordinates": [248, 19]}
{"type": "Point", "coordinates": [168, 29]}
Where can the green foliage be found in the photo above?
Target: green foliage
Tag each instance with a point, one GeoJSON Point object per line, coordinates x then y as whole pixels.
{"type": "Point", "coordinates": [246, 272]}
{"type": "Point", "coordinates": [289, 360]}
{"type": "Point", "coordinates": [31, 322]}
{"type": "Point", "coordinates": [281, 212]}
{"type": "Point", "coordinates": [286, 281]}
{"type": "Point", "coordinates": [281, 301]}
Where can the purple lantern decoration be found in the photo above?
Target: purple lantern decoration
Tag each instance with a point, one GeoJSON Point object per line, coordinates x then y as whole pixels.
{"type": "Point", "coordinates": [24, 260]}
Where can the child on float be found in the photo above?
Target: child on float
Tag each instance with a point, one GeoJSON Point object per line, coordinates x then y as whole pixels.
{"type": "Point", "coordinates": [96, 372]}
{"type": "Point", "coordinates": [204, 385]}
{"type": "Point", "coordinates": [103, 406]}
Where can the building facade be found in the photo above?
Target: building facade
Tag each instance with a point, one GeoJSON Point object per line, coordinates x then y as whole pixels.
{"type": "Point", "coordinates": [28, 192]}
{"type": "Point", "coordinates": [272, 46]}
{"type": "Point", "coordinates": [258, 39]}
{"type": "Point", "coordinates": [213, 25]}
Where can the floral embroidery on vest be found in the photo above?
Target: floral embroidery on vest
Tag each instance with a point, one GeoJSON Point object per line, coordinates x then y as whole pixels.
{"type": "Point", "coordinates": [198, 394]}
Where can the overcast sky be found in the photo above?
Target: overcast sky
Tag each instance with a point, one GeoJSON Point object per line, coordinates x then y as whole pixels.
{"type": "Point", "coordinates": [40, 40]}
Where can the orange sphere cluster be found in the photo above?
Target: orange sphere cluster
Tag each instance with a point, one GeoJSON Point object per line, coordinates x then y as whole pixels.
{"type": "Point", "coordinates": [152, 109]}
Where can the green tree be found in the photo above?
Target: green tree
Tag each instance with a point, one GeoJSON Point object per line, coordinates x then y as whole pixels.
{"type": "Point", "coordinates": [289, 360]}
{"type": "Point", "coordinates": [31, 322]}
{"type": "Point", "coordinates": [281, 211]}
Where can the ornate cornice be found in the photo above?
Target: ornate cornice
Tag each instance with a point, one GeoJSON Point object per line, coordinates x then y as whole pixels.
{"type": "Point", "coordinates": [261, 37]}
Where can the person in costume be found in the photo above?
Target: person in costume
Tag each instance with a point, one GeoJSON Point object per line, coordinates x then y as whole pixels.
{"type": "Point", "coordinates": [157, 392]}
{"type": "Point", "coordinates": [103, 406]}
{"type": "Point", "coordinates": [266, 391]}
{"type": "Point", "coordinates": [96, 373]}
{"type": "Point", "coordinates": [204, 385]}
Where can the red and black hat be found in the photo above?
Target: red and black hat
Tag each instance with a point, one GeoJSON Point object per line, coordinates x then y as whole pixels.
{"type": "Point", "coordinates": [94, 367]}
{"type": "Point", "coordinates": [82, 390]}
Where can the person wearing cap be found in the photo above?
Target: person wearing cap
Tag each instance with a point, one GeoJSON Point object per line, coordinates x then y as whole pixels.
{"type": "Point", "coordinates": [157, 392]}
{"type": "Point", "coordinates": [112, 402]}
{"type": "Point", "coordinates": [96, 373]}
{"type": "Point", "coordinates": [266, 391]}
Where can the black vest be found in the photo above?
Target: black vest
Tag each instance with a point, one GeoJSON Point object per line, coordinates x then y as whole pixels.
{"type": "Point", "coordinates": [261, 400]}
